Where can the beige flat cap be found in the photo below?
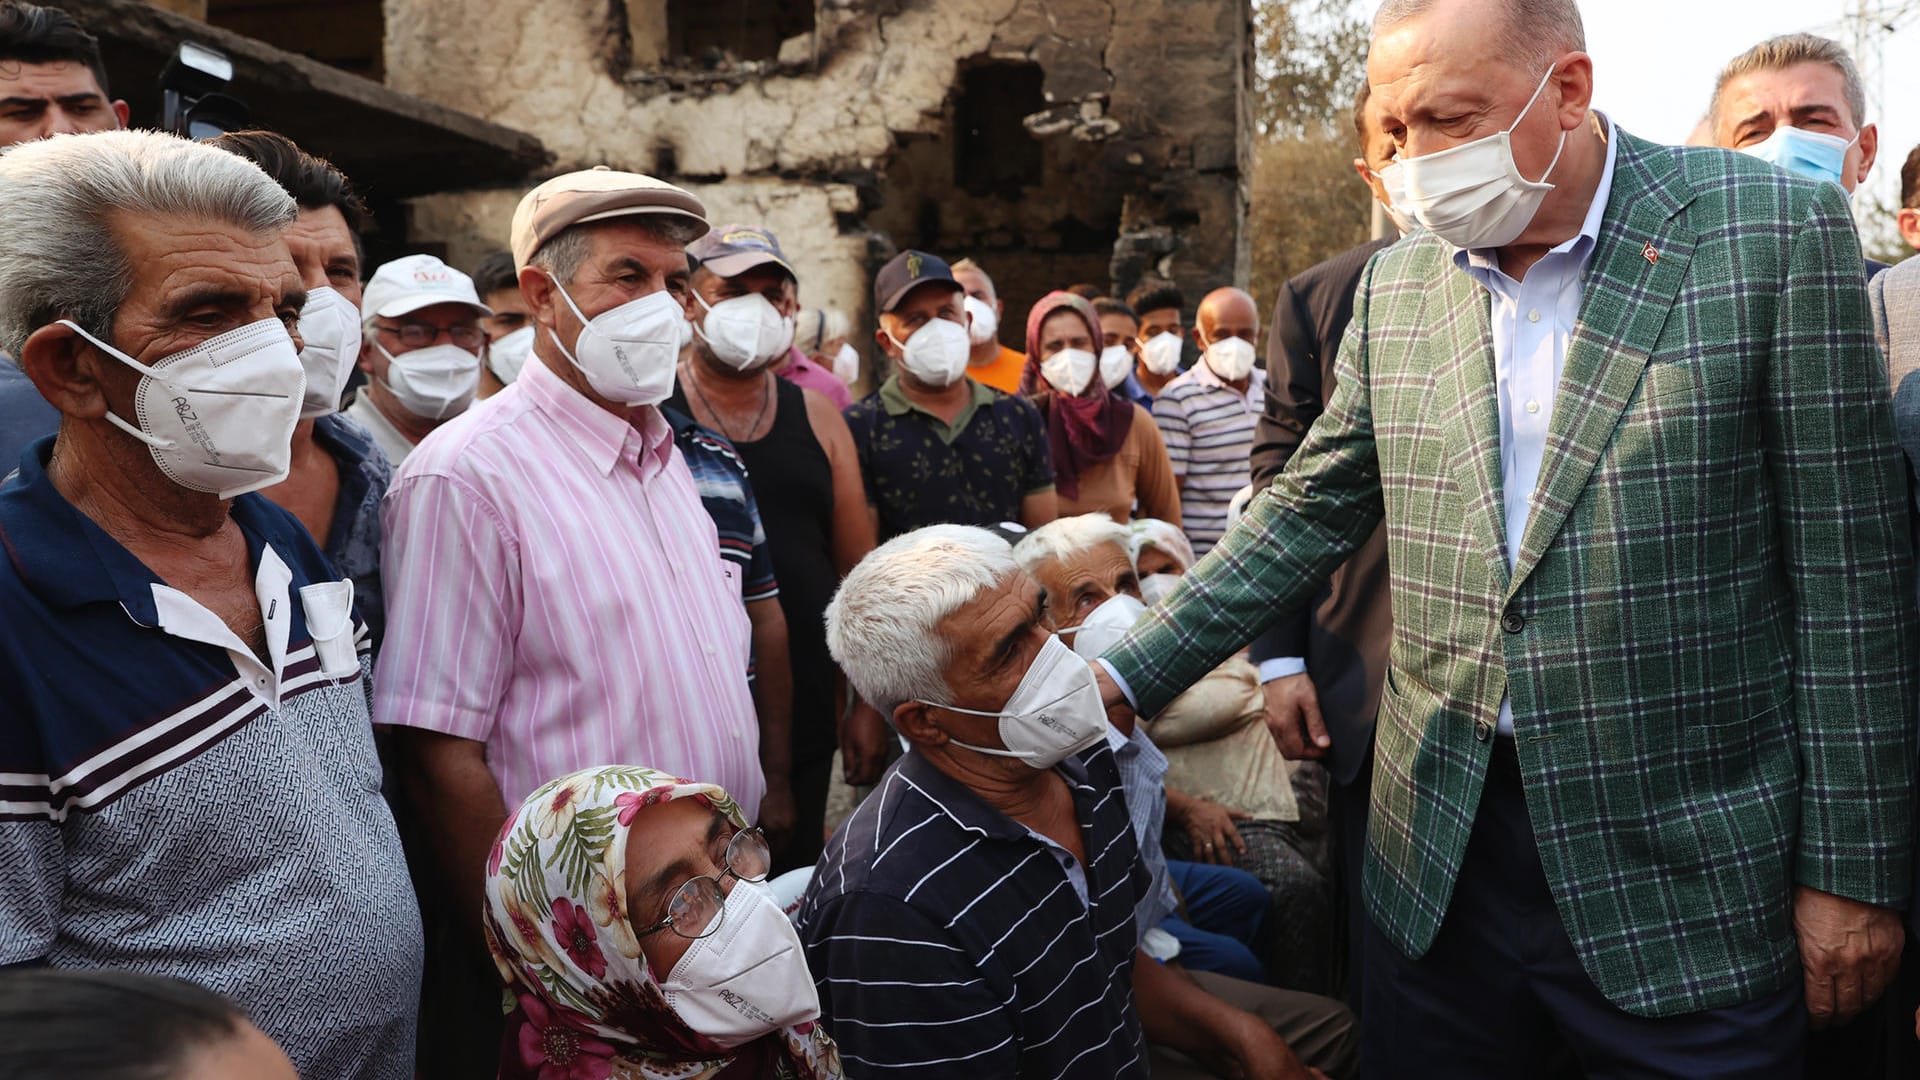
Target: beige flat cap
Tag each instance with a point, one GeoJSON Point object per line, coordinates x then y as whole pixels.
{"type": "Point", "coordinates": [593, 195]}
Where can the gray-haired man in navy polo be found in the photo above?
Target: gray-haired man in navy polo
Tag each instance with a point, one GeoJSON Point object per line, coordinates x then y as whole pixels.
{"type": "Point", "coordinates": [188, 785]}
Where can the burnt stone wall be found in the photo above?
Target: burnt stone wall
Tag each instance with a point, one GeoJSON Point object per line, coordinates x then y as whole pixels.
{"type": "Point", "coordinates": [1054, 141]}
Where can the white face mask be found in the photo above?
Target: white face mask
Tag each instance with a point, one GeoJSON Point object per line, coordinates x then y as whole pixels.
{"type": "Point", "coordinates": [1161, 353]}
{"type": "Point", "coordinates": [330, 345]}
{"type": "Point", "coordinates": [748, 977]}
{"type": "Point", "coordinates": [986, 322]}
{"type": "Point", "coordinates": [434, 383]}
{"type": "Point", "coordinates": [1230, 358]}
{"type": "Point", "coordinates": [1105, 625]}
{"type": "Point", "coordinates": [219, 417]}
{"type": "Point", "coordinates": [936, 354]}
{"type": "Point", "coordinates": [508, 356]}
{"type": "Point", "coordinates": [1155, 588]}
{"type": "Point", "coordinates": [1402, 220]}
{"type": "Point", "coordinates": [846, 364]}
{"type": "Point", "coordinates": [1116, 363]}
{"type": "Point", "coordinates": [1472, 196]}
{"type": "Point", "coordinates": [745, 332]}
{"type": "Point", "coordinates": [1069, 370]}
{"type": "Point", "coordinates": [1053, 714]}
{"type": "Point", "coordinates": [628, 353]}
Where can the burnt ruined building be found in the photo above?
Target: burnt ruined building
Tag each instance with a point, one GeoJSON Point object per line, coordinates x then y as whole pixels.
{"type": "Point", "coordinates": [1055, 141]}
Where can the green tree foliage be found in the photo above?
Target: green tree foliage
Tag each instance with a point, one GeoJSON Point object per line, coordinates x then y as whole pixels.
{"type": "Point", "coordinates": [1310, 57]}
{"type": "Point", "coordinates": [1306, 203]}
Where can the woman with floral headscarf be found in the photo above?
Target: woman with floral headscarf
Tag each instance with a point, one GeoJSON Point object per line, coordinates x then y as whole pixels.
{"type": "Point", "coordinates": [628, 913]}
{"type": "Point", "coordinates": [1107, 452]}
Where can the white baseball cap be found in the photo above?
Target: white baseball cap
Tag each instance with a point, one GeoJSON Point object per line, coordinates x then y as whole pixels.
{"type": "Point", "coordinates": [412, 282]}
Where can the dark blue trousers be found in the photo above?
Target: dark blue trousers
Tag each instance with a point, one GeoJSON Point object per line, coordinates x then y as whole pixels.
{"type": "Point", "coordinates": [1502, 995]}
{"type": "Point", "coordinates": [1225, 930]}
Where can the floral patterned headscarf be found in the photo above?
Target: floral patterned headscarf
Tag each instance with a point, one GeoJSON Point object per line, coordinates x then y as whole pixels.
{"type": "Point", "coordinates": [556, 919]}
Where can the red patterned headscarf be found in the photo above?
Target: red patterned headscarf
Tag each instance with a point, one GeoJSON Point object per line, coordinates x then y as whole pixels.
{"type": "Point", "coordinates": [1082, 432]}
{"type": "Point", "coordinates": [557, 921]}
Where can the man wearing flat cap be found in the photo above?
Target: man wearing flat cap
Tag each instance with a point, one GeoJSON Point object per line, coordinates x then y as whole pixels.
{"type": "Point", "coordinates": [556, 595]}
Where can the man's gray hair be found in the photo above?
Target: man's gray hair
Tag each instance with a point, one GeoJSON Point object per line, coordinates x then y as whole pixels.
{"type": "Point", "coordinates": [565, 253]}
{"type": "Point", "coordinates": [58, 201]}
{"type": "Point", "coordinates": [1066, 538]}
{"type": "Point", "coordinates": [883, 624]}
{"type": "Point", "coordinates": [1536, 30]}
{"type": "Point", "coordinates": [1783, 52]}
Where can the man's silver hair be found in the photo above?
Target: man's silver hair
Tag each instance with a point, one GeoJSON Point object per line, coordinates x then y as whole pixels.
{"type": "Point", "coordinates": [564, 254]}
{"type": "Point", "coordinates": [1066, 538]}
{"type": "Point", "coordinates": [59, 199]}
{"type": "Point", "coordinates": [883, 624]}
{"type": "Point", "coordinates": [1783, 52]}
{"type": "Point", "coordinates": [1535, 30]}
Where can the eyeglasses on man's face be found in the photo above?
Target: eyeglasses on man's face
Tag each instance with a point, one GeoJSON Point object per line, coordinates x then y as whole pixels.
{"type": "Point", "coordinates": [419, 335]}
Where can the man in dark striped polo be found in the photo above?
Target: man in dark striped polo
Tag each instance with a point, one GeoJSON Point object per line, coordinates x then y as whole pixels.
{"type": "Point", "coordinates": [975, 916]}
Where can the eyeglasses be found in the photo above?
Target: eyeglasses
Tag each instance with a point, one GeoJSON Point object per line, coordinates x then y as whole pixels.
{"type": "Point", "coordinates": [421, 335]}
{"type": "Point", "coordinates": [694, 911]}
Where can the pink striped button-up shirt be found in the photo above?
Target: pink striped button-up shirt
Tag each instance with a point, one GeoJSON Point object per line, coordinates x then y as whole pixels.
{"type": "Point", "coordinates": [555, 590]}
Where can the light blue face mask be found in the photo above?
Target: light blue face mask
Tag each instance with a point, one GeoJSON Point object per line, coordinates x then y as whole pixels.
{"type": "Point", "coordinates": [1811, 154]}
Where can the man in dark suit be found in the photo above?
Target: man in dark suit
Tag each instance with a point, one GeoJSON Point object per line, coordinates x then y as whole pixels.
{"type": "Point", "coordinates": [1321, 665]}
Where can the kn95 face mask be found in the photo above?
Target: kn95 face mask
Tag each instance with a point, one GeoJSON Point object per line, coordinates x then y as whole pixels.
{"type": "Point", "coordinates": [218, 417]}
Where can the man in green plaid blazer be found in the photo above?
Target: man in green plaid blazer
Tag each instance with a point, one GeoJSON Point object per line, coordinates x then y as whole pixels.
{"type": "Point", "coordinates": [1705, 629]}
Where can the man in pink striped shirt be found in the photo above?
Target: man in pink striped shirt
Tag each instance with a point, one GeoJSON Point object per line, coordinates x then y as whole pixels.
{"type": "Point", "coordinates": [556, 596]}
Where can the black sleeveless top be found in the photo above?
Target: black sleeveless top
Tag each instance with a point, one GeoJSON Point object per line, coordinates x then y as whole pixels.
{"type": "Point", "coordinates": [793, 483]}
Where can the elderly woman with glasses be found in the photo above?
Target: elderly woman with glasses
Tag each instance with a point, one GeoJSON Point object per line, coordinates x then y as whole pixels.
{"type": "Point", "coordinates": [628, 913]}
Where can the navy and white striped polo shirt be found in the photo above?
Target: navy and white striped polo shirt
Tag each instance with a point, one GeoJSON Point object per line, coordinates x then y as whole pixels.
{"type": "Point", "coordinates": [948, 940]}
{"type": "Point", "coordinates": [1208, 428]}
{"type": "Point", "coordinates": [171, 803]}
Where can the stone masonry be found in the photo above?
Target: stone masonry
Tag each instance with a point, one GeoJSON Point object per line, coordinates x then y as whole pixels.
{"type": "Point", "coordinates": [1054, 141]}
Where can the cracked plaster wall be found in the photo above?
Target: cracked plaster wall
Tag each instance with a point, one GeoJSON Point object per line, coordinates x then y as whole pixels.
{"type": "Point", "coordinates": [1152, 94]}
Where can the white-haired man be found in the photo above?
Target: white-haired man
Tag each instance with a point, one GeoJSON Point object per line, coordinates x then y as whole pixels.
{"type": "Point", "coordinates": [977, 914]}
{"type": "Point", "coordinates": [1796, 101]}
{"type": "Point", "coordinates": [1643, 783]}
{"type": "Point", "coordinates": [188, 784]}
{"type": "Point", "coordinates": [563, 536]}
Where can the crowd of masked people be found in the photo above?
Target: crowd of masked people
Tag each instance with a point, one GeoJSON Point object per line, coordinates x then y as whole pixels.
{"type": "Point", "coordinates": [606, 661]}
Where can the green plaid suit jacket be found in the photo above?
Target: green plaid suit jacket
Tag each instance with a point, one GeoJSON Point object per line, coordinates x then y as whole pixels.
{"type": "Point", "coordinates": [1708, 635]}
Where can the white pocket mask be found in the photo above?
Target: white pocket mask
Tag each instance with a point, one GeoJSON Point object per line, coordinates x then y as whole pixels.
{"type": "Point", "coordinates": [329, 611]}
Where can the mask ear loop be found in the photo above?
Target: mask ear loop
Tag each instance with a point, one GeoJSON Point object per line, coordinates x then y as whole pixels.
{"type": "Point", "coordinates": [113, 418]}
{"type": "Point", "coordinates": [1531, 102]}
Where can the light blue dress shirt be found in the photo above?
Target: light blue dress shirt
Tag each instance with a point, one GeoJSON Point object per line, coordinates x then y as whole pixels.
{"type": "Point", "coordinates": [1533, 321]}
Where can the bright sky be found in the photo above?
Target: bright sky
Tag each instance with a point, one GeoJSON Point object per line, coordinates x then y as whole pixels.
{"type": "Point", "coordinates": [1655, 62]}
